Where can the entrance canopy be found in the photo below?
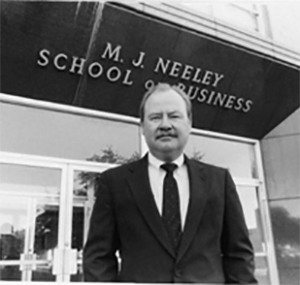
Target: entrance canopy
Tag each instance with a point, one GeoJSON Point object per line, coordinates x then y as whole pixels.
{"type": "Point", "coordinates": [104, 57]}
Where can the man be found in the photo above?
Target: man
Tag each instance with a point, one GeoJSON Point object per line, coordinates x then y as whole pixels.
{"type": "Point", "coordinates": [172, 219]}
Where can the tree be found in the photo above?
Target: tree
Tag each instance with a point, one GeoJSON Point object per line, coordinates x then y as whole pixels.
{"type": "Point", "coordinates": [108, 155]}
{"type": "Point", "coordinates": [286, 231]}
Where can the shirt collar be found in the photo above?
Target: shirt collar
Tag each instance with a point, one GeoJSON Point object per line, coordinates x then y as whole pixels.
{"type": "Point", "coordinates": [157, 163]}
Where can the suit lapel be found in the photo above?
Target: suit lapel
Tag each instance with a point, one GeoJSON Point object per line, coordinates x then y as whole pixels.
{"type": "Point", "coordinates": [140, 186]}
{"type": "Point", "coordinates": [196, 206]}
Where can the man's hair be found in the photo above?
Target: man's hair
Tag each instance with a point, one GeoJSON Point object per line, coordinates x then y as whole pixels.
{"type": "Point", "coordinates": [165, 87]}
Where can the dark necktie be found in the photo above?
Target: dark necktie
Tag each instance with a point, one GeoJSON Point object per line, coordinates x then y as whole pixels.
{"type": "Point", "coordinates": [171, 205]}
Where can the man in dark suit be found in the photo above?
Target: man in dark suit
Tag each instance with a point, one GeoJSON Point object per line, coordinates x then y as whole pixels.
{"type": "Point", "coordinates": [172, 219]}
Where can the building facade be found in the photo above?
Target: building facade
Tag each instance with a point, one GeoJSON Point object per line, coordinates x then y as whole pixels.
{"type": "Point", "coordinates": [72, 76]}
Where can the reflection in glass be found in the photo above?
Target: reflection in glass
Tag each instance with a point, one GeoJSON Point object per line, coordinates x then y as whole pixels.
{"type": "Point", "coordinates": [10, 273]}
{"type": "Point", "coordinates": [285, 219]}
{"type": "Point", "coordinates": [43, 272]}
{"type": "Point", "coordinates": [253, 218]}
{"type": "Point", "coordinates": [78, 225]}
{"type": "Point", "coordinates": [83, 200]}
{"type": "Point", "coordinates": [63, 135]}
{"type": "Point", "coordinates": [13, 217]}
{"type": "Point", "coordinates": [13, 220]}
{"type": "Point", "coordinates": [29, 204]}
{"type": "Point", "coordinates": [238, 13]}
{"type": "Point", "coordinates": [29, 179]}
{"type": "Point", "coordinates": [262, 277]}
{"type": "Point", "coordinates": [261, 270]}
{"type": "Point", "coordinates": [16, 242]}
{"type": "Point", "coordinates": [45, 241]}
{"type": "Point", "coordinates": [236, 156]}
{"type": "Point", "coordinates": [46, 230]}
{"type": "Point", "coordinates": [249, 200]}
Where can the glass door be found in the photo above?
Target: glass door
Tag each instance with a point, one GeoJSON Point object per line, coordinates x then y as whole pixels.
{"type": "Point", "coordinates": [250, 196]}
{"type": "Point", "coordinates": [29, 218]}
{"type": "Point", "coordinates": [46, 203]}
{"type": "Point", "coordinates": [82, 187]}
{"type": "Point", "coordinates": [45, 207]}
{"type": "Point", "coordinates": [13, 218]}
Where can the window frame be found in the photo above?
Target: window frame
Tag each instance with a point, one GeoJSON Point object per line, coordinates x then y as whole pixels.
{"type": "Point", "coordinates": [69, 166]}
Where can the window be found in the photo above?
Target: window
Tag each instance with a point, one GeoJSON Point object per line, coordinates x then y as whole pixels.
{"type": "Point", "coordinates": [53, 133]}
{"type": "Point", "coordinates": [46, 201]}
{"type": "Point", "coordinates": [243, 15]}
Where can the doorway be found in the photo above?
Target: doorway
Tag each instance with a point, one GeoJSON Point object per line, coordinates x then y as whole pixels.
{"type": "Point", "coordinates": [45, 205]}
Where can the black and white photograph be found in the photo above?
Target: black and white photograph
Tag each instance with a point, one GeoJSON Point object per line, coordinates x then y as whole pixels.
{"type": "Point", "coordinates": [150, 142]}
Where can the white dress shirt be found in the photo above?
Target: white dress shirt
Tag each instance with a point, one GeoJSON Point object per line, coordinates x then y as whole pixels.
{"type": "Point", "coordinates": [157, 175]}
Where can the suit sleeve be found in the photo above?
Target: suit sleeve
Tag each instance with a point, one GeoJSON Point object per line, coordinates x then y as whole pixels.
{"type": "Point", "coordinates": [99, 259]}
{"type": "Point", "coordinates": [237, 250]}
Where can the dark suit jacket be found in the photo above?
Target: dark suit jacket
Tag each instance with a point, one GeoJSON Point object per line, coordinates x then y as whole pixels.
{"type": "Point", "coordinates": [215, 246]}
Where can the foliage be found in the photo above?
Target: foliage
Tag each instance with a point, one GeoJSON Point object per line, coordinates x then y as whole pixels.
{"type": "Point", "coordinates": [286, 231]}
{"type": "Point", "coordinates": [197, 155]}
{"type": "Point", "coordinates": [108, 155]}
{"type": "Point", "coordinates": [286, 228]}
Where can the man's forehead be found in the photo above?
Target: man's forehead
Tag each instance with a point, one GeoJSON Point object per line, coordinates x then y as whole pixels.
{"type": "Point", "coordinates": [165, 95]}
{"type": "Point", "coordinates": [169, 112]}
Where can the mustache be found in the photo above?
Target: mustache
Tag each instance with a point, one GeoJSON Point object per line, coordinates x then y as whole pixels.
{"type": "Point", "coordinates": [166, 134]}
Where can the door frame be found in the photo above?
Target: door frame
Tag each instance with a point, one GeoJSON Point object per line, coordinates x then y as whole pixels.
{"type": "Point", "coordinates": [63, 263]}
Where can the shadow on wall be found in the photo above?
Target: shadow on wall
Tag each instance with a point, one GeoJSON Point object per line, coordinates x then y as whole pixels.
{"type": "Point", "coordinates": [286, 231]}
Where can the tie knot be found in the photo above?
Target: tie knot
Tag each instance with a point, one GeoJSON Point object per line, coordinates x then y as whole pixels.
{"type": "Point", "coordinates": [169, 167]}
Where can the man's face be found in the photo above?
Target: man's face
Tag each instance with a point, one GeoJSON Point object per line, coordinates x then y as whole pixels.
{"type": "Point", "coordinates": [166, 125]}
